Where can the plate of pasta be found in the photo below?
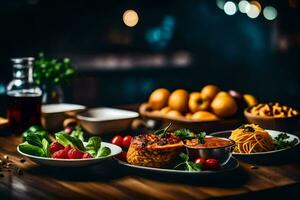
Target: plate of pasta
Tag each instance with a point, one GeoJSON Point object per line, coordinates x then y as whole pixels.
{"type": "Point", "coordinates": [252, 140]}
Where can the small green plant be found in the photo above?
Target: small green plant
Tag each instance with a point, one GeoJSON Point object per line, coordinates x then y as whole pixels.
{"type": "Point", "coordinates": [50, 71]}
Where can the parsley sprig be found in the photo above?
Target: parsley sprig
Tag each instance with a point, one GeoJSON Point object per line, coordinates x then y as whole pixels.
{"type": "Point", "coordinates": [281, 141]}
{"type": "Point", "coordinates": [188, 165]}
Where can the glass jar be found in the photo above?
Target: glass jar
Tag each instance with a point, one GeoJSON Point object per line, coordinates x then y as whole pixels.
{"type": "Point", "coordinates": [23, 97]}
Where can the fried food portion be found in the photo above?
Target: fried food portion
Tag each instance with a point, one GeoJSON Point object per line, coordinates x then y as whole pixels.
{"type": "Point", "coordinates": [151, 150]}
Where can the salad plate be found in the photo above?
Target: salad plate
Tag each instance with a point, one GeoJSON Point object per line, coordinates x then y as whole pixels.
{"type": "Point", "coordinates": [115, 150]}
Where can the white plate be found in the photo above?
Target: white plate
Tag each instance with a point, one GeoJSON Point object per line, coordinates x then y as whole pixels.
{"type": "Point", "coordinates": [231, 165]}
{"type": "Point", "coordinates": [73, 162]}
{"type": "Point", "coordinates": [272, 133]}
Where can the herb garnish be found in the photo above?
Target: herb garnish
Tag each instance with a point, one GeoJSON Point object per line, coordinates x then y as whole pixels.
{"type": "Point", "coordinates": [247, 128]}
{"type": "Point", "coordinates": [162, 132]}
{"type": "Point", "coordinates": [188, 165]}
{"type": "Point", "coordinates": [281, 141]}
{"type": "Point", "coordinates": [183, 134]}
{"type": "Point", "coordinates": [201, 137]}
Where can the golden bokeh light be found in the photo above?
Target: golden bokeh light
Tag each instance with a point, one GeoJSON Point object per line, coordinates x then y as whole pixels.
{"type": "Point", "coordinates": [130, 18]}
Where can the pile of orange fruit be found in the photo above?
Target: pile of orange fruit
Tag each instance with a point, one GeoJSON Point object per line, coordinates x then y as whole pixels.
{"type": "Point", "coordinates": [208, 104]}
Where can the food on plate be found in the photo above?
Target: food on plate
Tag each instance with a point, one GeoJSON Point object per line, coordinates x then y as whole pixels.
{"type": "Point", "coordinates": [210, 142]}
{"type": "Point", "coordinates": [153, 150]}
{"type": "Point", "coordinates": [198, 103]}
{"type": "Point", "coordinates": [250, 99]}
{"type": "Point", "coordinates": [210, 91]}
{"type": "Point", "coordinates": [127, 141]}
{"type": "Point", "coordinates": [178, 100]}
{"type": "Point", "coordinates": [198, 165]}
{"type": "Point", "coordinates": [224, 105]}
{"type": "Point", "coordinates": [276, 110]}
{"type": "Point", "coordinates": [251, 138]}
{"type": "Point", "coordinates": [65, 146]}
{"type": "Point", "coordinates": [204, 116]}
{"type": "Point", "coordinates": [163, 149]}
{"type": "Point", "coordinates": [159, 98]}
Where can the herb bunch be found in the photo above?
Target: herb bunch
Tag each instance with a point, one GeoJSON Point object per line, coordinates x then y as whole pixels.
{"type": "Point", "coordinates": [50, 71]}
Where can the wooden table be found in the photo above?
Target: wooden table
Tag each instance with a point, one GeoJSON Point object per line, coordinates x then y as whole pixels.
{"type": "Point", "coordinates": [281, 179]}
{"type": "Point", "coordinates": [111, 181]}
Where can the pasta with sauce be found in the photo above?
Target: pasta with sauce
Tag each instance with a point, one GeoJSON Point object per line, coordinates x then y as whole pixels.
{"type": "Point", "coordinates": [251, 138]}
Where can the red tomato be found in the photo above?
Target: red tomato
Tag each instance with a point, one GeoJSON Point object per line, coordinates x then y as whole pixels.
{"type": "Point", "coordinates": [117, 140]}
{"type": "Point", "coordinates": [58, 154]}
{"type": "Point", "coordinates": [126, 141]}
{"type": "Point", "coordinates": [75, 154]}
{"type": "Point", "coordinates": [87, 155]}
{"type": "Point", "coordinates": [212, 164]}
{"type": "Point", "coordinates": [200, 161]}
{"type": "Point", "coordinates": [122, 156]}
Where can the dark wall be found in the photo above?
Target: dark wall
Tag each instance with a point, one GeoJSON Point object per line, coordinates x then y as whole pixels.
{"type": "Point", "coordinates": [251, 55]}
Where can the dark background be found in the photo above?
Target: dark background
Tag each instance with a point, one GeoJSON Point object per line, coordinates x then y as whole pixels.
{"type": "Point", "coordinates": [176, 44]}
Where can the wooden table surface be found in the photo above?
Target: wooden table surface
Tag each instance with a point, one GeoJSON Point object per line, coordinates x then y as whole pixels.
{"type": "Point", "coordinates": [111, 181]}
{"type": "Point", "coordinates": [277, 177]}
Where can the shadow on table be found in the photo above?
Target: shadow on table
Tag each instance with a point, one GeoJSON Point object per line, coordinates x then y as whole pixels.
{"type": "Point", "coordinates": [288, 156]}
{"type": "Point", "coordinates": [111, 170]}
{"type": "Point", "coordinates": [102, 172]}
{"type": "Point", "coordinates": [226, 181]}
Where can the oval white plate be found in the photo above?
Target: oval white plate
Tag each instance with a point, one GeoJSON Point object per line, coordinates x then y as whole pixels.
{"type": "Point", "coordinates": [272, 133]}
{"type": "Point", "coordinates": [73, 162]}
{"type": "Point", "coordinates": [232, 164]}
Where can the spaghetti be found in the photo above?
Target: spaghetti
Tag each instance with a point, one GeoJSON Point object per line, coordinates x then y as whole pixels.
{"type": "Point", "coordinates": [251, 138]}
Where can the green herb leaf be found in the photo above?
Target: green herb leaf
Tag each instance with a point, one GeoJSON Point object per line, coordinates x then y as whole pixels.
{"type": "Point", "coordinates": [188, 165]}
{"type": "Point", "coordinates": [104, 151]}
{"type": "Point", "coordinates": [201, 137]}
{"type": "Point", "coordinates": [184, 134]}
{"type": "Point", "coordinates": [46, 149]}
{"type": "Point", "coordinates": [281, 141]}
{"type": "Point", "coordinates": [162, 132]}
{"type": "Point", "coordinates": [31, 149]}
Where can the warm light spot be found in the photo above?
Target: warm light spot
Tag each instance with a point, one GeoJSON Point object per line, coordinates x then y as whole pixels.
{"type": "Point", "coordinates": [270, 12]}
{"type": "Point", "coordinates": [130, 18]}
{"type": "Point", "coordinates": [253, 11]}
{"type": "Point", "coordinates": [244, 6]}
{"type": "Point", "coordinates": [257, 4]}
{"type": "Point", "coordinates": [230, 8]}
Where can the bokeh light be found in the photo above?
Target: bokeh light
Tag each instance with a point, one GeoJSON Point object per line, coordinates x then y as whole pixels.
{"type": "Point", "coordinates": [220, 4]}
{"type": "Point", "coordinates": [270, 12]}
{"type": "Point", "coordinates": [230, 8]}
{"type": "Point", "coordinates": [254, 10]}
{"type": "Point", "coordinates": [244, 6]}
{"type": "Point", "coordinates": [130, 18]}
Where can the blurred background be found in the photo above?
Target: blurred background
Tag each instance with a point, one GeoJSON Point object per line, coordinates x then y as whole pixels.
{"type": "Point", "coordinates": [124, 49]}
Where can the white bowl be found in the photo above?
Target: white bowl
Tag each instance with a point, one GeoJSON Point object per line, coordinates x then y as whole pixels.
{"type": "Point", "coordinates": [53, 115]}
{"type": "Point", "coordinates": [106, 120]}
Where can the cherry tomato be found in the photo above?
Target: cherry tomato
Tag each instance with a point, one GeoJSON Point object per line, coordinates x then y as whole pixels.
{"type": "Point", "coordinates": [117, 140]}
{"type": "Point", "coordinates": [212, 164]}
{"type": "Point", "coordinates": [200, 161]}
{"type": "Point", "coordinates": [126, 141]}
{"type": "Point", "coordinates": [122, 156]}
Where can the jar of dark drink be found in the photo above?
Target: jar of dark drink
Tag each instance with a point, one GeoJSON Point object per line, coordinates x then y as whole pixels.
{"type": "Point", "coordinates": [23, 97]}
